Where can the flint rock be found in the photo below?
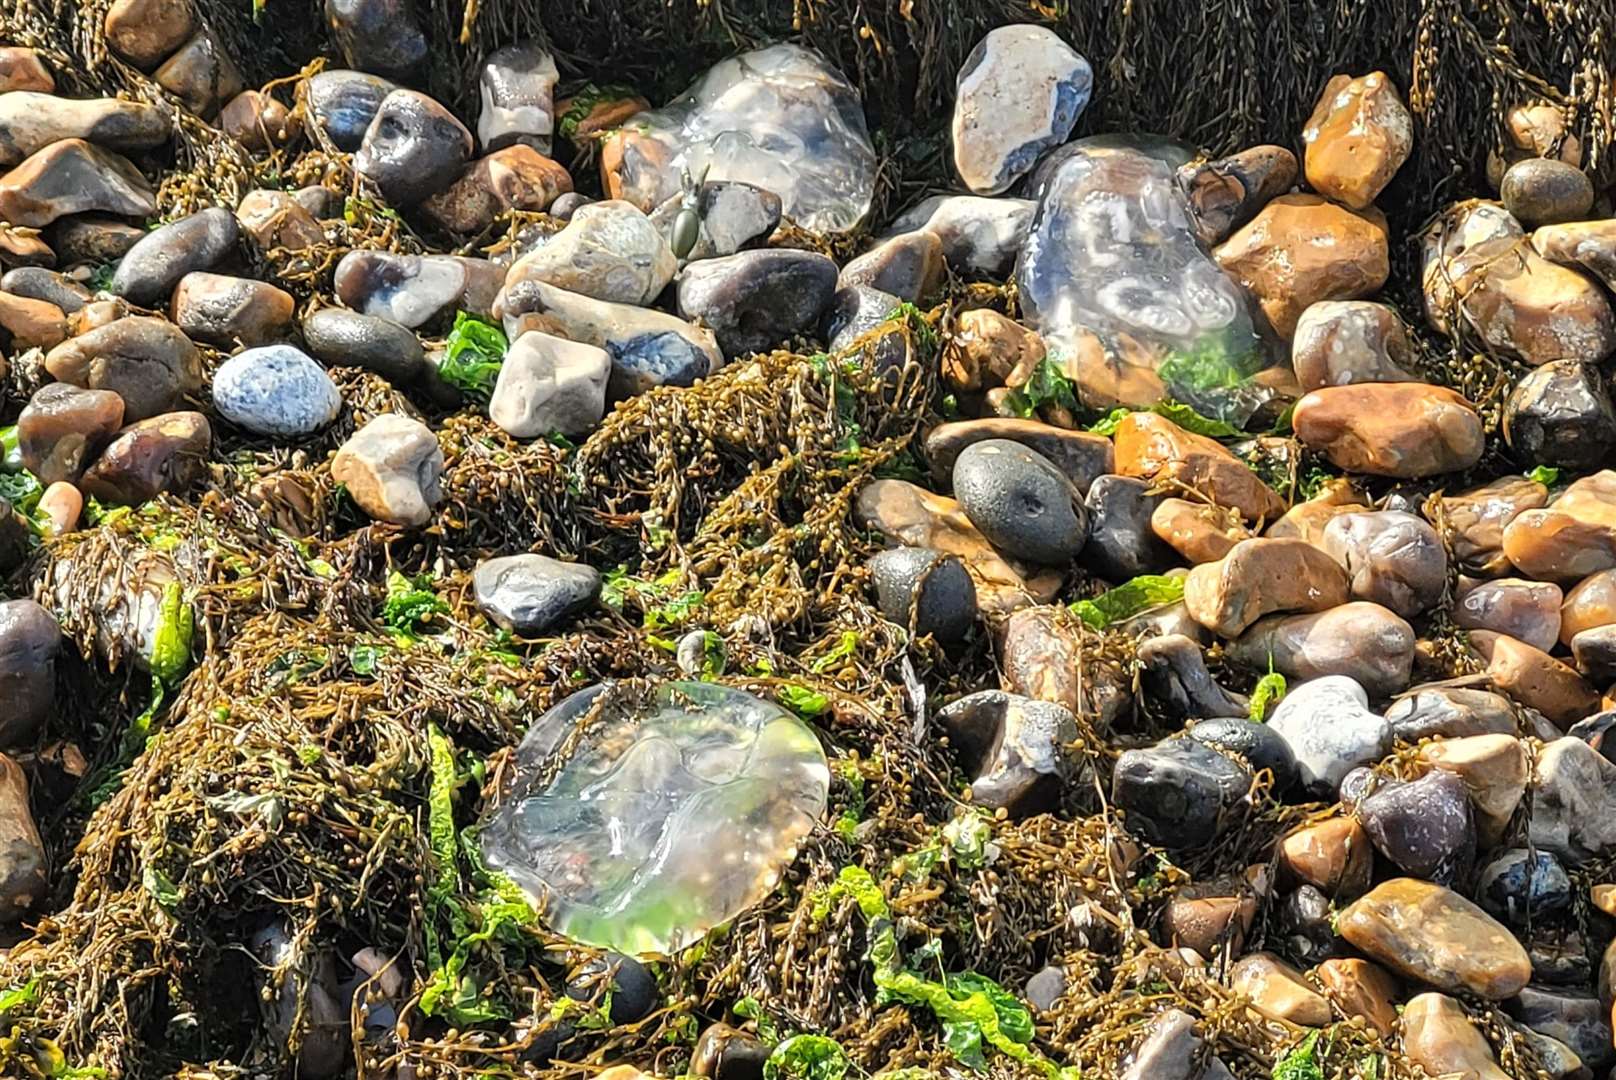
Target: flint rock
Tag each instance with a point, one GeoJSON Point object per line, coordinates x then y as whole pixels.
{"type": "Point", "coordinates": [1560, 415]}
{"type": "Point", "coordinates": [1014, 747]}
{"type": "Point", "coordinates": [153, 267]}
{"type": "Point", "coordinates": [924, 590]}
{"type": "Point", "coordinates": [754, 300]}
{"type": "Point", "coordinates": [1339, 342]}
{"type": "Point", "coordinates": [1018, 93]}
{"type": "Point", "coordinates": [63, 427]}
{"type": "Point", "coordinates": [377, 35]}
{"type": "Point", "coordinates": [73, 177]}
{"type": "Point", "coordinates": [1179, 792]}
{"type": "Point", "coordinates": [1330, 730]}
{"type": "Point", "coordinates": [344, 103]}
{"type": "Point", "coordinates": [980, 237]}
{"type": "Point", "coordinates": [30, 641]}
{"type": "Point", "coordinates": [225, 310]}
{"type": "Point", "coordinates": [413, 148]}
{"type": "Point", "coordinates": [413, 290]}
{"type": "Point", "coordinates": [165, 453]}
{"type": "Point", "coordinates": [201, 74]}
{"type": "Point", "coordinates": [1359, 135]}
{"type": "Point", "coordinates": [1020, 501]}
{"type": "Point", "coordinates": [392, 467]}
{"type": "Point", "coordinates": [1391, 558]}
{"type": "Point", "coordinates": [147, 362]}
{"type": "Point", "coordinates": [529, 594]}
{"type": "Point", "coordinates": [30, 122]}
{"type": "Point", "coordinates": [277, 391]}
{"type": "Point", "coordinates": [517, 86]}
{"type": "Point", "coordinates": [1259, 577]}
{"type": "Point", "coordinates": [549, 384]}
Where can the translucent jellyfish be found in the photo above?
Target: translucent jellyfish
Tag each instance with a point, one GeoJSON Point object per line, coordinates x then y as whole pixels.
{"type": "Point", "coordinates": [641, 819]}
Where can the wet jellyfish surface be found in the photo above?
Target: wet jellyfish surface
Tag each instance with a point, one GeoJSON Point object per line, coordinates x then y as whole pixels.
{"type": "Point", "coordinates": [642, 818]}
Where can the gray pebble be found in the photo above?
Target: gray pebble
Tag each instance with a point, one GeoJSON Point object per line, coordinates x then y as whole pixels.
{"type": "Point", "coordinates": [931, 587]}
{"type": "Point", "coordinates": [1022, 503]}
{"type": "Point", "coordinates": [528, 594]}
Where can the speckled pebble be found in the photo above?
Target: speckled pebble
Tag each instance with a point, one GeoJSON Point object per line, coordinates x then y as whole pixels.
{"type": "Point", "coordinates": [276, 390]}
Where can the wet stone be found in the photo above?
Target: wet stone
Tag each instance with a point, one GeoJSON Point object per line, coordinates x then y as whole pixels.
{"type": "Point", "coordinates": [1581, 245]}
{"type": "Point", "coordinates": [1403, 430]}
{"type": "Point", "coordinates": [1211, 918]}
{"type": "Point", "coordinates": [413, 148]}
{"type": "Point", "coordinates": [1228, 192]}
{"type": "Point", "coordinates": [276, 390]}
{"type": "Point", "coordinates": [1535, 679]}
{"type": "Point", "coordinates": [1429, 933]}
{"type": "Point", "coordinates": [258, 121]}
{"type": "Point", "coordinates": [609, 251]}
{"type": "Point", "coordinates": [1391, 558]}
{"type": "Point", "coordinates": [226, 310]}
{"type": "Point", "coordinates": [31, 323]}
{"type": "Point", "coordinates": [909, 266]}
{"type": "Point", "coordinates": [1425, 826]}
{"type": "Point", "coordinates": [1278, 991]}
{"type": "Point", "coordinates": [1173, 673]}
{"type": "Point", "coordinates": [1544, 191]}
{"type": "Point", "coordinates": [1439, 1037]}
{"type": "Point", "coordinates": [1560, 415]}
{"type": "Point", "coordinates": [145, 32]}
{"type": "Point", "coordinates": [1526, 610]}
{"type": "Point", "coordinates": [345, 102]}
{"type": "Point", "coordinates": [1360, 640]}
{"type": "Point", "coordinates": [22, 69]}
{"type": "Point", "coordinates": [1359, 135]}
{"type": "Point", "coordinates": [61, 504]}
{"type": "Point", "coordinates": [339, 338]}
{"type": "Point", "coordinates": [1494, 769]}
{"type": "Point", "coordinates": [1178, 792]}
{"type": "Point", "coordinates": [30, 122]}
{"type": "Point", "coordinates": [732, 216]}
{"type": "Point", "coordinates": [165, 453]}
{"type": "Point", "coordinates": [30, 642]}
{"type": "Point", "coordinates": [980, 237]}
{"type": "Point", "coordinates": [1330, 730]}
{"type": "Point", "coordinates": [392, 467]}
{"type": "Point", "coordinates": [1578, 1020]}
{"type": "Point", "coordinates": [148, 362]}
{"type": "Point", "coordinates": [1359, 988]}
{"type": "Point", "coordinates": [1334, 856]}
{"type": "Point", "coordinates": [23, 864]}
{"type": "Point", "coordinates": [529, 594]}
{"type": "Point", "coordinates": [1339, 342]}
{"type": "Point", "coordinates": [517, 87]}
{"type": "Point", "coordinates": [1256, 743]}
{"type": "Point", "coordinates": [1079, 455]}
{"type": "Point", "coordinates": [1259, 577]}
{"type": "Point", "coordinates": [515, 178]}
{"type": "Point", "coordinates": [381, 36]}
{"type": "Point", "coordinates": [1596, 732]}
{"type": "Point", "coordinates": [413, 290]}
{"type": "Point", "coordinates": [1197, 531]}
{"type": "Point", "coordinates": [710, 789]}
{"type": "Point", "coordinates": [201, 74]}
{"type": "Point", "coordinates": [1013, 747]}
{"type": "Point", "coordinates": [1522, 887]}
{"type": "Point", "coordinates": [779, 117]}
{"type": "Point", "coordinates": [1169, 1050]}
{"type": "Point", "coordinates": [63, 427]}
{"type": "Point", "coordinates": [1594, 652]}
{"type": "Point", "coordinates": [1155, 449]}
{"type": "Point", "coordinates": [1044, 989]}
{"type": "Point", "coordinates": [1021, 502]}
{"type": "Point", "coordinates": [154, 266]}
{"type": "Point", "coordinates": [275, 219]}
{"type": "Point", "coordinates": [73, 177]}
{"type": "Point", "coordinates": [1573, 802]}
{"type": "Point", "coordinates": [1570, 540]}
{"type": "Point", "coordinates": [854, 312]}
{"type": "Point", "coordinates": [754, 300]}
{"type": "Point", "coordinates": [1019, 93]}
{"type": "Point", "coordinates": [1477, 517]}
{"type": "Point", "coordinates": [924, 590]}
{"type": "Point", "coordinates": [550, 385]}
{"type": "Point", "coordinates": [988, 350]}
{"type": "Point", "coordinates": [38, 283]}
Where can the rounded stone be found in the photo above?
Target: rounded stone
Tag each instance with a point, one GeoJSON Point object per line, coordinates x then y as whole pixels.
{"type": "Point", "coordinates": [1021, 502]}
{"type": "Point", "coordinates": [345, 102]}
{"type": "Point", "coordinates": [1257, 743]}
{"type": "Point", "coordinates": [276, 390]}
{"type": "Point", "coordinates": [151, 269]}
{"type": "Point", "coordinates": [1521, 887]}
{"type": "Point", "coordinates": [1560, 415]}
{"type": "Point", "coordinates": [341, 338]}
{"type": "Point", "coordinates": [1544, 191]}
{"type": "Point", "coordinates": [631, 987]}
{"type": "Point", "coordinates": [413, 148]}
{"type": "Point", "coordinates": [929, 587]}
{"type": "Point", "coordinates": [29, 643]}
{"type": "Point", "coordinates": [528, 594]}
{"type": "Point", "coordinates": [754, 300]}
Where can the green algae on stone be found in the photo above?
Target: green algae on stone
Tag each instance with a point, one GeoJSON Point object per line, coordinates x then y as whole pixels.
{"type": "Point", "coordinates": [641, 819]}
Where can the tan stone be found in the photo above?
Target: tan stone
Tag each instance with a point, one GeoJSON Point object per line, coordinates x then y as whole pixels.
{"type": "Point", "coordinates": [22, 69]}
{"type": "Point", "coordinates": [1482, 279]}
{"type": "Point", "coordinates": [392, 468]}
{"type": "Point", "coordinates": [258, 122]}
{"type": "Point", "coordinates": [1259, 577]}
{"type": "Point", "coordinates": [1333, 855]}
{"type": "Point", "coordinates": [1104, 381]}
{"type": "Point", "coordinates": [1360, 988]}
{"type": "Point", "coordinates": [1474, 521]}
{"type": "Point", "coordinates": [275, 219]}
{"type": "Point", "coordinates": [1299, 250]}
{"type": "Point", "coordinates": [224, 310]}
{"type": "Point", "coordinates": [1359, 135]}
{"type": "Point", "coordinates": [582, 119]}
{"type": "Point", "coordinates": [1307, 520]}
{"type": "Point", "coordinates": [73, 177]}
{"type": "Point", "coordinates": [515, 178]}
{"type": "Point", "coordinates": [1339, 342]}
{"type": "Point", "coordinates": [1590, 604]}
{"type": "Point", "coordinates": [145, 32]}
{"type": "Point", "coordinates": [32, 323]}
{"type": "Point", "coordinates": [1197, 531]}
{"type": "Point", "coordinates": [1278, 991]}
{"type": "Point", "coordinates": [1604, 898]}
{"type": "Point", "coordinates": [1041, 656]}
{"type": "Point", "coordinates": [985, 348]}
{"type": "Point", "coordinates": [1081, 456]}
{"type": "Point", "coordinates": [1429, 933]}
{"type": "Point", "coordinates": [1535, 679]}
{"type": "Point", "coordinates": [1582, 245]}
{"type": "Point", "coordinates": [633, 167]}
{"type": "Point", "coordinates": [1495, 771]}
{"type": "Point", "coordinates": [201, 74]}
{"type": "Point", "coordinates": [23, 879]}
{"type": "Point", "coordinates": [1439, 1038]}
{"type": "Point", "coordinates": [1574, 537]}
{"type": "Point", "coordinates": [911, 515]}
{"type": "Point", "coordinates": [61, 504]}
{"type": "Point", "coordinates": [1365, 642]}
{"type": "Point", "coordinates": [1154, 448]}
{"type": "Point", "coordinates": [1212, 925]}
{"type": "Point", "coordinates": [1404, 430]}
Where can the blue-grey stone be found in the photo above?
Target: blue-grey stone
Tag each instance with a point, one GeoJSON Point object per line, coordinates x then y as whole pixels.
{"type": "Point", "coordinates": [1018, 94]}
{"type": "Point", "coordinates": [345, 102]}
{"type": "Point", "coordinates": [275, 390]}
{"type": "Point", "coordinates": [1023, 504]}
{"type": "Point", "coordinates": [528, 594]}
{"type": "Point", "coordinates": [662, 358]}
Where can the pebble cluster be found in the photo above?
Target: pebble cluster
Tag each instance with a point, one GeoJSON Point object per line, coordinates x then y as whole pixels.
{"type": "Point", "coordinates": [1181, 320]}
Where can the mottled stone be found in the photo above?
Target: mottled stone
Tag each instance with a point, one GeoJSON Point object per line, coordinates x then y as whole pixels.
{"type": "Point", "coordinates": [153, 267]}
{"type": "Point", "coordinates": [1495, 771]}
{"type": "Point", "coordinates": [1300, 250]}
{"type": "Point", "coordinates": [1576, 1019]}
{"type": "Point", "coordinates": [1481, 279]}
{"type": "Point", "coordinates": [1546, 191]}
{"type": "Point", "coordinates": [529, 594]}
{"type": "Point", "coordinates": [1448, 712]}
{"type": "Point", "coordinates": [1425, 827]}
{"type": "Point", "coordinates": [910, 266]}
{"type": "Point", "coordinates": [1018, 93]}
{"type": "Point", "coordinates": [1259, 577]}
{"type": "Point", "coordinates": [1527, 610]}
{"type": "Point", "coordinates": [226, 310]}
{"type": "Point", "coordinates": [1573, 802]}
{"type": "Point", "coordinates": [1521, 887]}
{"type": "Point", "coordinates": [1582, 245]}
{"type": "Point", "coordinates": [148, 362]}
{"type": "Point", "coordinates": [30, 122]}
{"type": "Point", "coordinates": [986, 349]}
{"type": "Point", "coordinates": [413, 290]}
{"type": "Point", "coordinates": [1334, 856]}
{"type": "Point", "coordinates": [1340, 342]}
{"type": "Point", "coordinates": [517, 87]}
{"type": "Point", "coordinates": [277, 220]}
{"type": "Point", "coordinates": [1475, 521]}
{"type": "Point", "coordinates": [1426, 932]}
{"type": "Point", "coordinates": [1359, 988]}
{"type": "Point", "coordinates": [201, 74]}
{"type": "Point", "coordinates": [23, 864]}
{"type": "Point", "coordinates": [1014, 747]}
{"type": "Point", "coordinates": [1153, 448]}
{"type": "Point", "coordinates": [549, 384]}
{"type": "Point", "coordinates": [515, 178]}
{"type": "Point", "coordinates": [276, 390]}
{"type": "Point", "coordinates": [165, 453]}
{"type": "Point", "coordinates": [609, 251]}
{"type": "Point", "coordinates": [924, 591]}
{"type": "Point", "coordinates": [258, 121]}
{"type": "Point", "coordinates": [344, 103]}
{"type": "Point", "coordinates": [145, 32]}
{"type": "Point", "coordinates": [1560, 415]}
{"type": "Point", "coordinates": [1361, 640]}
{"type": "Point", "coordinates": [1041, 656]}
{"type": "Point", "coordinates": [73, 177]}
{"type": "Point", "coordinates": [1307, 520]}
{"type": "Point", "coordinates": [1197, 531]}
{"type": "Point", "coordinates": [63, 427]}
{"type": "Point", "coordinates": [980, 237]}
{"type": "Point", "coordinates": [1571, 539]}
{"type": "Point", "coordinates": [1405, 430]}
{"type": "Point", "coordinates": [1359, 135]}
{"type": "Point", "coordinates": [413, 148]}
{"type": "Point", "coordinates": [1278, 991]}
{"type": "Point", "coordinates": [1179, 792]}
{"type": "Point", "coordinates": [38, 283]}
{"type": "Point", "coordinates": [392, 467]}
{"type": "Point", "coordinates": [1391, 558]}
{"type": "Point", "coordinates": [730, 216]}
{"type": "Point", "coordinates": [1261, 748]}
{"type": "Point", "coordinates": [1228, 192]}
{"type": "Point", "coordinates": [754, 300]}
{"type": "Point", "coordinates": [377, 35]}
{"type": "Point", "coordinates": [1535, 679]}
{"type": "Point", "coordinates": [1328, 726]}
